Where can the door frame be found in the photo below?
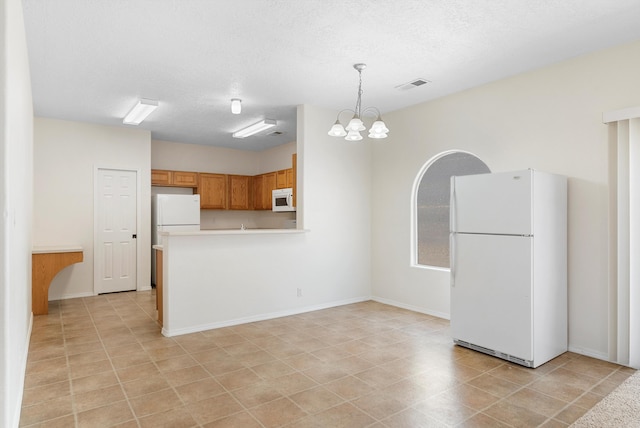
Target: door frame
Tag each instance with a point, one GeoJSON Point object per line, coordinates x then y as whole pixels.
{"type": "Point", "coordinates": [624, 235]}
{"type": "Point", "coordinates": [96, 171]}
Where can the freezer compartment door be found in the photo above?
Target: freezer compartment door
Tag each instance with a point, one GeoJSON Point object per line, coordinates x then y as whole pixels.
{"type": "Point", "coordinates": [180, 228]}
{"type": "Point", "coordinates": [491, 292]}
{"type": "Point", "coordinates": [497, 203]}
{"type": "Point", "coordinates": [178, 209]}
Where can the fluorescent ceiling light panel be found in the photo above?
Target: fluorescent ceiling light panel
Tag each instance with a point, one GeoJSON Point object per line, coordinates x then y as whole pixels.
{"type": "Point", "coordinates": [140, 111]}
{"type": "Point", "coordinates": [255, 128]}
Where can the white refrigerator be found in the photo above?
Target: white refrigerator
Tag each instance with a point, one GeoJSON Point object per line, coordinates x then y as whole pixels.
{"type": "Point", "coordinates": [172, 213]}
{"type": "Point", "coordinates": [508, 252]}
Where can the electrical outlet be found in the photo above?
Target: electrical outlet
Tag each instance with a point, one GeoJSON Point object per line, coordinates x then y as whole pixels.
{"type": "Point", "coordinates": [299, 292]}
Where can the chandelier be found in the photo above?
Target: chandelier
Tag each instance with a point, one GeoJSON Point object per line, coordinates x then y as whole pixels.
{"type": "Point", "coordinates": [355, 125]}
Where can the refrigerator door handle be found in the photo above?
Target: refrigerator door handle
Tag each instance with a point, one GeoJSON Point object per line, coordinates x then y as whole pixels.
{"type": "Point", "coordinates": [452, 230]}
{"type": "Point", "coordinates": [452, 258]}
{"type": "Point", "coordinates": [452, 205]}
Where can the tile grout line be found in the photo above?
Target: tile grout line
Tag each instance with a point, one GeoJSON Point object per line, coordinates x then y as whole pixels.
{"type": "Point", "coordinates": [322, 322]}
{"type": "Point", "coordinates": [280, 359]}
{"type": "Point", "coordinates": [573, 403]}
{"type": "Point", "coordinates": [66, 354]}
{"type": "Point", "coordinates": [115, 371]}
{"type": "Point", "coordinates": [155, 321]}
{"type": "Point", "coordinates": [525, 386]}
{"type": "Point", "coordinates": [199, 364]}
{"type": "Point", "coordinates": [228, 392]}
{"type": "Point", "coordinates": [567, 405]}
{"type": "Point", "coordinates": [153, 361]}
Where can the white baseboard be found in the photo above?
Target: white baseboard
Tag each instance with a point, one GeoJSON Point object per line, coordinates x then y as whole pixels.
{"type": "Point", "coordinates": [411, 307]}
{"type": "Point", "coordinates": [260, 317]}
{"type": "Point", "coordinates": [87, 294]}
{"type": "Point", "coordinates": [72, 296]}
{"type": "Point", "coordinates": [23, 371]}
{"type": "Point", "coordinates": [591, 353]}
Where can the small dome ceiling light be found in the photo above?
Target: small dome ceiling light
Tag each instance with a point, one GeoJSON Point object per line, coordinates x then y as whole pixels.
{"type": "Point", "coordinates": [236, 105]}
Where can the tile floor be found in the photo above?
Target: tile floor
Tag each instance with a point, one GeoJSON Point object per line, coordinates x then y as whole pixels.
{"type": "Point", "coordinates": [101, 361]}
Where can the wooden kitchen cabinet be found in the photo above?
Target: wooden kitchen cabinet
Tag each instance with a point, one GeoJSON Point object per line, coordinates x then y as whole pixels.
{"type": "Point", "coordinates": [240, 189]}
{"type": "Point", "coordinates": [163, 177]}
{"type": "Point", "coordinates": [160, 177]}
{"type": "Point", "coordinates": [258, 189]}
{"type": "Point", "coordinates": [269, 186]}
{"type": "Point", "coordinates": [290, 177]}
{"type": "Point", "coordinates": [263, 185]}
{"type": "Point", "coordinates": [294, 177]}
{"type": "Point", "coordinates": [281, 179]}
{"type": "Point", "coordinates": [185, 179]}
{"type": "Point", "coordinates": [213, 191]}
{"type": "Point", "coordinates": [233, 192]}
{"type": "Point", "coordinates": [284, 178]}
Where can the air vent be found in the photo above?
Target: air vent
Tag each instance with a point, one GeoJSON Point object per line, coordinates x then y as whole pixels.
{"type": "Point", "coordinates": [513, 359]}
{"type": "Point", "coordinates": [413, 84]}
{"type": "Point", "coordinates": [274, 133]}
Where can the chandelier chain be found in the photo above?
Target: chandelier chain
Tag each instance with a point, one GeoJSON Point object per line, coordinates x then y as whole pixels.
{"type": "Point", "coordinates": [359, 98]}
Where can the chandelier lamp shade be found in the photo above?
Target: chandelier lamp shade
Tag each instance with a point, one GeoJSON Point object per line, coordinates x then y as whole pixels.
{"type": "Point", "coordinates": [352, 131]}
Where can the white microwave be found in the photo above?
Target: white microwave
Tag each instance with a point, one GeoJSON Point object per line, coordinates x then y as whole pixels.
{"type": "Point", "coordinates": [282, 200]}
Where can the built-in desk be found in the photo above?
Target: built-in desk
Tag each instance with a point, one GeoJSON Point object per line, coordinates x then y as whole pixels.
{"type": "Point", "coordinates": [46, 263]}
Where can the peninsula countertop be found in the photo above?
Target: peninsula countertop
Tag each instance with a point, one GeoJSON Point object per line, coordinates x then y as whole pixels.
{"type": "Point", "coordinates": [47, 249]}
{"type": "Point", "coordinates": [207, 232]}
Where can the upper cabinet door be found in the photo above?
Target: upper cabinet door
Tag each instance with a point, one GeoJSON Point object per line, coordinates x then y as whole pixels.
{"type": "Point", "coordinates": [281, 179]}
{"type": "Point", "coordinates": [240, 192]}
{"type": "Point", "coordinates": [161, 177]}
{"type": "Point", "coordinates": [267, 190]}
{"type": "Point", "coordinates": [213, 191]}
{"type": "Point", "coordinates": [185, 179]}
{"type": "Point", "coordinates": [499, 203]}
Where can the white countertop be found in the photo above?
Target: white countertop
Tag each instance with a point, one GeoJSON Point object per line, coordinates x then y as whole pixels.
{"type": "Point", "coordinates": [235, 232]}
{"type": "Point", "coordinates": [44, 249]}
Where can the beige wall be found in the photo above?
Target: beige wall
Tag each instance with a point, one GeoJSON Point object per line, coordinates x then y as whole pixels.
{"type": "Point", "coordinates": [195, 157]}
{"type": "Point", "coordinates": [200, 158]}
{"type": "Point", "coordinates": [66, 156]}
{"type": "Point", "coordinates": [276, 158]}
{"type": "Point", "coordinates": [549, 119]}
{"type": "Point", "coordinates": [16, 206]}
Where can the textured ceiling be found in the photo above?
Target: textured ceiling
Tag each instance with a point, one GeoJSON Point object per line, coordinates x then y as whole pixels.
{"type": "Point", "coordinates": [92, 59]}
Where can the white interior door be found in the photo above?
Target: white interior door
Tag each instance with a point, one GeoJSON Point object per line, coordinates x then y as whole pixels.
{"type": "Point", "coordinates": [115, 247]}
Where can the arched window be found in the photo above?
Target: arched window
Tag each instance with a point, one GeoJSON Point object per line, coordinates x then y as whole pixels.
{"type": "Point", "coordinates": [431, 192]}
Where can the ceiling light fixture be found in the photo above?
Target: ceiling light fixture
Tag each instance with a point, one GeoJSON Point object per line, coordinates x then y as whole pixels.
{"type": "Point", "coordinates": [255, 128]}
{"type": "Point", "coordinates": [236, 105]}
{"type": "Point", "coordinates": [352, 131]}
{"type": "Point", "coordinates": [140, 111]}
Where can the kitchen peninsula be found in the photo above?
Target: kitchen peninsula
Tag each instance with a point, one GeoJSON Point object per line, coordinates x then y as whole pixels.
{"type": "Point", "coordinates": [217, 278]}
